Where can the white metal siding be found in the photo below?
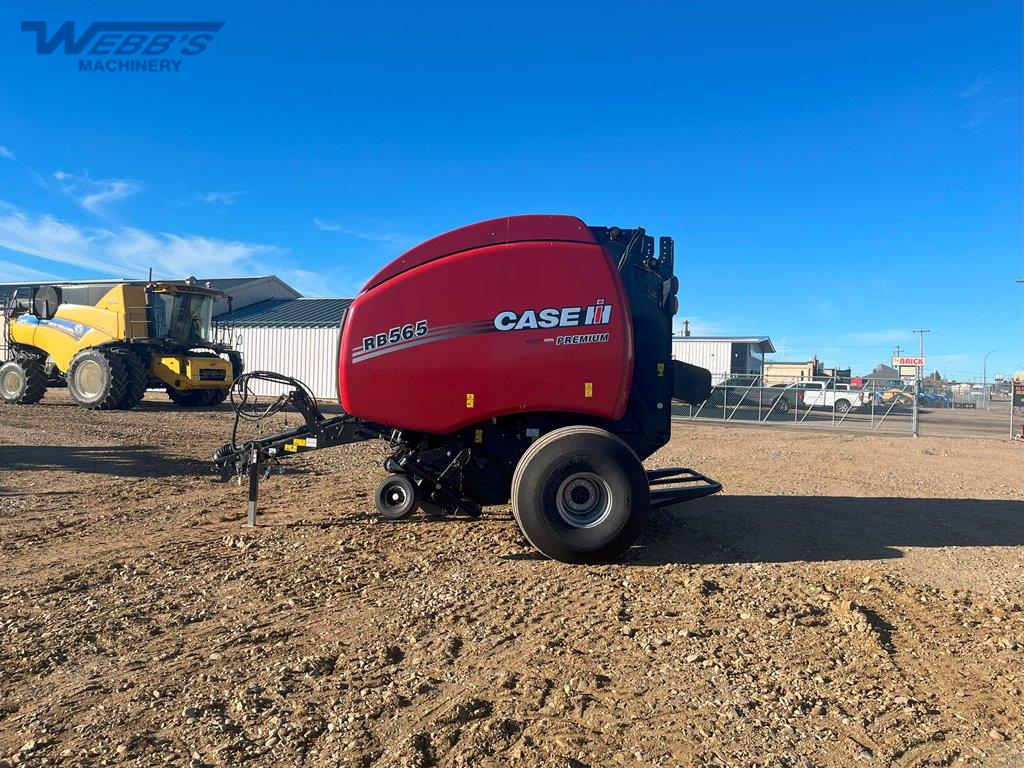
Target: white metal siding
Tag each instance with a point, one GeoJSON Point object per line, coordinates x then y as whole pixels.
{"type": "Point", "coordinates": [713, 355]}
{"type": "Point", "coordinates": [307, 354]}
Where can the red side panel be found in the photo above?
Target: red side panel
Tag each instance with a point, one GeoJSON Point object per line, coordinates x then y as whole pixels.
{"type": "Point", "coordinates": [490, 331]}
{"type": "Point", "coordinates": [509, 229]}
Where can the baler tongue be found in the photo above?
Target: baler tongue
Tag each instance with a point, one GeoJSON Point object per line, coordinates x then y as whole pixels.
{"type": "Point", "coordinates": [548, 389]}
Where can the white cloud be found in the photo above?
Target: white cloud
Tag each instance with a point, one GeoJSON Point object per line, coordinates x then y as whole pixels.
{"type": "Point", "coordinates": [327, 226]}
{"type": "Point", "coordinates": [375, 234]}
{"type": "Point", "coordinates": [96, 194]}
{"type": "Point", "coordinates": [128, 251]}
{"type": "Point", "coordinates": [228, 196]}
{"type": "Point", "coordinates": [11, 272]}
{"type": "Point", "coordinates": [879, 337]}
{"type": "Point", "coordinates": [979, 84]}
{"type": "Point", "coordinates": [6, 153]}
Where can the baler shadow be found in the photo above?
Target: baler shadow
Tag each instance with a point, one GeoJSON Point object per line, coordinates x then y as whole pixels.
{"type": "Point", "coordinates": [123, 461]}
{"type": "Point", "coordinates": [778, 529]}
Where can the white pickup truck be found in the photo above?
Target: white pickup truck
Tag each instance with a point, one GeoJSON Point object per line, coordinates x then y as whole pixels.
{"type": "Point", "coordinates": [821, 394]}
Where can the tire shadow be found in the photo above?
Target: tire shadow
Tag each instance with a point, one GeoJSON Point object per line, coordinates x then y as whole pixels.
{"type": "Point", "coordinates": [779, 529]}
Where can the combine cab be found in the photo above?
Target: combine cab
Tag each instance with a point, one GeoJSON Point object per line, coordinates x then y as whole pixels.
{"type": "Point", "coordinates": [109, 351]}
{"type": "Point", "coordinates": [524, 358]}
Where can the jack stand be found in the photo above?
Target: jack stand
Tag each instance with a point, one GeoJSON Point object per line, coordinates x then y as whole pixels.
{"type": "Point", "coordinates": [254, 481]}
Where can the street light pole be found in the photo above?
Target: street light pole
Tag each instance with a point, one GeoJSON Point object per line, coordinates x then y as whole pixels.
{"type": "Point", "coordinates": [984, 379]}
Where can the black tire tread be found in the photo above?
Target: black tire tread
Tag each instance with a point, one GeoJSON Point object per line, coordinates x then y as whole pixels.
{"type": "Point", "coordinates": [137, 377]}
{"type": "Point", "coordinates": [188, 398]}
{"type": "Point", "coordinates": [117, 379]}
{"type": "Point", "coordinates": [35, 380]}
{"type": "Point", "coordinates": [535, 448]}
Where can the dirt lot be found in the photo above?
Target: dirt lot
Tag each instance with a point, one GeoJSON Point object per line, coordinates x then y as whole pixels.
{"type": "Point", "coordinates": [847, 599]}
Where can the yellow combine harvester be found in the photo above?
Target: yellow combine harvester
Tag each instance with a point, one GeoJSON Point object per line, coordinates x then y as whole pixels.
{"type": "Point", "coordinates": [136, 336]}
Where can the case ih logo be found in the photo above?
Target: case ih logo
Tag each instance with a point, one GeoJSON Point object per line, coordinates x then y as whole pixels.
{"type": "Point", "coordinates": [554, 317]}
{"type": "Point", "coordinates": [134, 46]}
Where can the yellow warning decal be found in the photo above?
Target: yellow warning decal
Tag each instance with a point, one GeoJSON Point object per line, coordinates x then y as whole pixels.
{"type": "Point", "coordinates": [291, 448]}
{"type": "Point", "coordinates": [588, 389]}
{"type": "Point", "coordinates": [469, 399]}
{"type": "Point", "coordinates": [661, 369]}
{"type": "Point", "coordinates": [300, 441]}
{"type": "Point", "coordinates": [479, 436]}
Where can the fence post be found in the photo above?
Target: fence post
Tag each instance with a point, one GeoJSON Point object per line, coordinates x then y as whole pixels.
{"type": "Point", "coordinates": [914, 425]}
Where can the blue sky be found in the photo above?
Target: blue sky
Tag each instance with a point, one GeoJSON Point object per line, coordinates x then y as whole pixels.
{"type": "Point", "coordinates": [835, 175]}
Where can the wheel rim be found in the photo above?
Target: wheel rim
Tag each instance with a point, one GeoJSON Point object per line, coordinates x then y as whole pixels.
{"type": "Point", "coordinates": [89, 379]}
{"type": "Point", "coordinates": [395, 496]}
{"type": "Point", "coordinates": [11, 384]}
{"type": "Point", "coordinates": [584, 500]}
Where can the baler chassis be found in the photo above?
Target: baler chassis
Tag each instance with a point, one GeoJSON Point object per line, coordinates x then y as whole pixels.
{"type": "Point", "coordinates": [438, 495]}
{"type": "Point", "coordinates": [567, 383]}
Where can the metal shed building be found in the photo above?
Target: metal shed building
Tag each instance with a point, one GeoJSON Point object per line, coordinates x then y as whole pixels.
{"type": "Point", "coordinates": [294, 337]}
{"type": "Point", "coordinates": [724, 356]}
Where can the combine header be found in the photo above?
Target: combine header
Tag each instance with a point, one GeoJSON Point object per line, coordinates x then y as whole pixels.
{"type": "Point", "coordinates": [524, 358]}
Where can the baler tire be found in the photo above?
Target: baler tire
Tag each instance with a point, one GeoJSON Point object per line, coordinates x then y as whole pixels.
{"type": "Point", "coordinates": [114, 379]}
{"type": "Point", "coordinates": [29, 377]}
{"type": "Point", "coordinates": [397, 497]}
{"type": "Point", "coordinates": [559, 523]}
{"type": "Point", "coordinates": [137, 378]}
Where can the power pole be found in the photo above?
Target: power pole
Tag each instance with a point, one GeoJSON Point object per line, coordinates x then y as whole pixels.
{"type": "Point", "coordinates": [686, 327]}
{"type": "Point", "coordinates": [921, 335]}
{"type": "Point", "coordinates": [915, 422]}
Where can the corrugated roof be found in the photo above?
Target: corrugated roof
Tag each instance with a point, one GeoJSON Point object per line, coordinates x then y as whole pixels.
{"type": "Point", "coordinates": [762, 341]}
{"type": "Point", "coordinates": [292, 313]}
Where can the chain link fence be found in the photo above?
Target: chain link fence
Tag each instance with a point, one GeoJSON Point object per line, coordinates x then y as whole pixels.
{"type": "Point", "coordinates": [977, 409]}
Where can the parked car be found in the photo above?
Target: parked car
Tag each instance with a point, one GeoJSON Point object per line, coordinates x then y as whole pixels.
{"type": "Point", "coordinates": [749, 392]}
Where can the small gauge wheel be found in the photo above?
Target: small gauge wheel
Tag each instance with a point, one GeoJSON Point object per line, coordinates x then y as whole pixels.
{"type": "Point", "coordinates": [397, 497]}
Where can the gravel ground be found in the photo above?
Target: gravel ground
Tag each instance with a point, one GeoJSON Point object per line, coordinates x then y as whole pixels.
{"type": "Point", "coordinates": [846, 599]}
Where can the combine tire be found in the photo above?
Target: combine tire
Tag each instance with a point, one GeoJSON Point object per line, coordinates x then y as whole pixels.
{"type": "Point", "coordinates": [22, 381]}
{"type": "Point", "coordinates": [97, 379]}
{"type": "Point", "coordinates": [197, 398]}
{"type": "Point", "coordinates": [216, 396]}
{"type": "Point", "coordinates": [188, 398]}
{"type": "Point", "coordinates": [580, 495]}
{"type": "Point", "coordinates": [136, 378]}
{"type": "Point", "coordinates": [397, 497]}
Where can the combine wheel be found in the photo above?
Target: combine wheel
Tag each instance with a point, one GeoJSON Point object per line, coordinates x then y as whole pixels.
{"type": "Point", "coordinates": [397, 497]}
{"type": "Point", "coordinates": [580, 495]}
{"type": "Point", "coordinates": [22, 381]}
{"type": "Point", "coordinates": [97, 379]}
{"type": "Point", "coordinates": [136, 377]}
